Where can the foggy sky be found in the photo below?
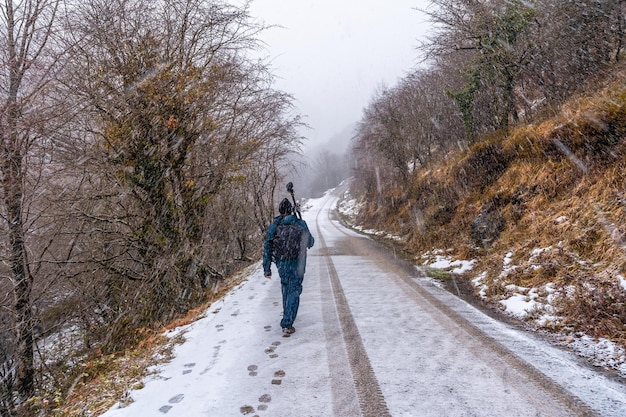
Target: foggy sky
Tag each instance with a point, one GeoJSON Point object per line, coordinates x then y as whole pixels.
{"type": "Point", "coordinates": [332, 55]}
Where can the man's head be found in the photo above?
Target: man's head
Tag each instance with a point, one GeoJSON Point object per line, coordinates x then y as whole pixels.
{"type": "Point", "coordinates": [285, 207]}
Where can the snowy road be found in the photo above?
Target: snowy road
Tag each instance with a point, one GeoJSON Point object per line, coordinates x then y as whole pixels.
{"type": "Point", "coordinates": [374, 338]}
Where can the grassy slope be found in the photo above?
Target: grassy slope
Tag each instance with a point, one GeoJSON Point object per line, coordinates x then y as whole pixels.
{"type": "Point", "coordinates": [560, 185]}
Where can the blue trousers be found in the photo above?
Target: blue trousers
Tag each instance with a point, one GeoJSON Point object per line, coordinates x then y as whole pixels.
{"type": "Point", "coordinates": [291, 285]}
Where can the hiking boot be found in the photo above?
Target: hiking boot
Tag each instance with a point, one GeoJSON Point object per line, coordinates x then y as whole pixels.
{"type": "Point", "coordinates": [289, 330]}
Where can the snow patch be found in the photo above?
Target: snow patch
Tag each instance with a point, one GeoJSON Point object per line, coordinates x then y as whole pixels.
{"type": "Point", "coordinates": [622, 281]}
{"type": "Point", "coordinates": [482, 288]}
{"type": "Point", "coordinates": [449, 264]}
{"type": "Point", "coordinates": [518, 305]}
{"type": "Point", "coordinates": [602, 352]}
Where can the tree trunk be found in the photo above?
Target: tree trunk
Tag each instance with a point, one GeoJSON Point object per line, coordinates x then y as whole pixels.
{"type": "Point", "coordinates": [22, 281]}
{"type": "Point", "coordinates": [13, 191]}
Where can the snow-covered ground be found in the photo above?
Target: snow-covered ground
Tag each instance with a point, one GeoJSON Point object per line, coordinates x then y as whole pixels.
{"type": "Point", "coordinates": [423, 351]}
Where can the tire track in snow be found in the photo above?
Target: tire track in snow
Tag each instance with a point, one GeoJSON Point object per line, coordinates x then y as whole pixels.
{"type": "Point", "coordinates": [344, 396]}
{"type": "Point", "coordinates": [371, 400]}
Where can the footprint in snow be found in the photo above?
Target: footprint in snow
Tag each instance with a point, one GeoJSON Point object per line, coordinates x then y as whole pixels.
{"type": "Point", "coordinates": [264, 400]}
{"type": "Point", "coordinates": [188, 365]}
{"type": "Point", "coordinates": [246, 409]}
{"type": "Point", "coordinates": [176, 399]}
{"type": "Point", "coordinates": [277, 375]}
{"type": "Point", "coordinates": [272, 349]}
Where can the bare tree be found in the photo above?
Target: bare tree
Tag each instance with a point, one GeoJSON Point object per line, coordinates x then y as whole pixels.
{"type": "Point", "coordinates": [497, 40]}
{"type": "Point", "coordinates": [577, 39]}
{"type": "Point", "coordinates": [409, 126]}
{"type": "Point", "coordinates": [29, 31]}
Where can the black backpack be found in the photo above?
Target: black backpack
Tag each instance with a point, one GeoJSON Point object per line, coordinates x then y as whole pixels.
{"type": "Point", "coordinates": [287, 241]}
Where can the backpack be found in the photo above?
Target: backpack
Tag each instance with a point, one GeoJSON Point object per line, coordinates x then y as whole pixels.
{"type": "Point", "coordinates": [287, 241]}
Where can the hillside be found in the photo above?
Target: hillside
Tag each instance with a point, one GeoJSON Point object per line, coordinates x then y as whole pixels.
{"type": "Point", "coordinates": [540, 213]}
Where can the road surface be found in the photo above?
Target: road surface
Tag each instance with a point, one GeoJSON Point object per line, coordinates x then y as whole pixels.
{"type": "Point", "coordinates": [375, 337]}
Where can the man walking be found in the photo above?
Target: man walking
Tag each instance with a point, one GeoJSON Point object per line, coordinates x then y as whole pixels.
{"type": "Point", "coordinates": [286, 243]}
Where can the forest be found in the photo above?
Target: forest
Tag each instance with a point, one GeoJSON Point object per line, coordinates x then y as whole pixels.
{"type": "Point", "coordinates": [141, 148]}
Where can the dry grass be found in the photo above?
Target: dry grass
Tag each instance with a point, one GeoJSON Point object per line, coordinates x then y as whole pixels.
{"type": "Point", "coordinates": [105, 380]}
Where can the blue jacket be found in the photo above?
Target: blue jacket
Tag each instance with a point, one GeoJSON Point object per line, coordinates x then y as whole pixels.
{"type": "Point", "coordinates": [295, 264]}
